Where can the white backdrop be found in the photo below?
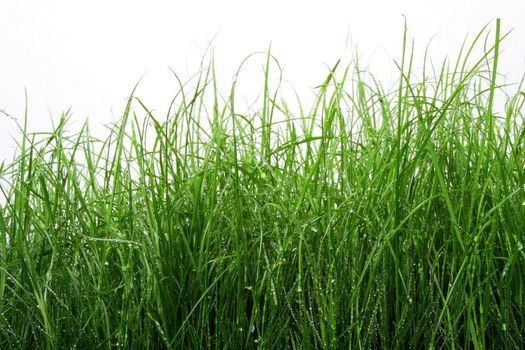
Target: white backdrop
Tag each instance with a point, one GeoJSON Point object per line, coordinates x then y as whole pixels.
{"type": "Point", "coordinates": [88, 55]}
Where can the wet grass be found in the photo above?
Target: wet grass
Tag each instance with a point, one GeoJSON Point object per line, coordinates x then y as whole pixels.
{"type": "Point", "coordinates": [375, 219]}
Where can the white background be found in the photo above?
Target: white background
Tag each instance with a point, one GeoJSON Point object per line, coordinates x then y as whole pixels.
{"type": "Point", "coordinates": [88, 55]}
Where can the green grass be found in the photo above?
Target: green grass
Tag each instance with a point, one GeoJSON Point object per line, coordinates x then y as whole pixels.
{"type": "Point", "coordinates": [373, 219]}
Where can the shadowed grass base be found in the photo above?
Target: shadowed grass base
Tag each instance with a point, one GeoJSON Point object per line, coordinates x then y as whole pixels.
{"type": "Point", "coordinates": [377, 220]}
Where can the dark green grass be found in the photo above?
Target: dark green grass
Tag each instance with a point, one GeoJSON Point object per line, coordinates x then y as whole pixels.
{"type": "Point", "coordinates": [377, 219]}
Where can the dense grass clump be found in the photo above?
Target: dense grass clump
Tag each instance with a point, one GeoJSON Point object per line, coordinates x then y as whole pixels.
{"type": "Point", "coordinates": [378, 219]}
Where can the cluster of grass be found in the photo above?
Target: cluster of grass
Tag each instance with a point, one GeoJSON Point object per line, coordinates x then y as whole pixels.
{"type": "Point", "coordinates": [378, 219]}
